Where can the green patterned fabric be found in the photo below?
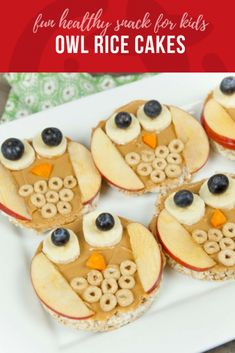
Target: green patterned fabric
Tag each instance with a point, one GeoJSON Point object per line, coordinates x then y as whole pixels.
{"type": "Point", "coordinates": [33, 92]}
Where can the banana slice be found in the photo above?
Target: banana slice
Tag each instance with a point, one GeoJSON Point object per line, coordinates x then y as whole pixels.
{"type": "Point", "coordinates": [101, 238]}
{"type": "Point", "coordinates": [121, 136]}
{"type": "Point", "coordinates": [186, 215]}
{"type": "Point", "coordinates": [61, 254]}
{"type": "Point", "coordinates": [226, 100]}
{"type": "Point", "coordinates": [161, 122]}
{"type": "Point", "coordinates": [49, 151]}
{"type": "Point", "coordinates": [25, 161]}
{"type": "Point", "coordinates": [224, 200]}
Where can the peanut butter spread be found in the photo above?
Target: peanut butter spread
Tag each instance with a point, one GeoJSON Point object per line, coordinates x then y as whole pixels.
{"type": "Point", "coordinates": [203, 224]}
{"type": "Point", "coordinates": [113, 256]}
{"type": "Point", "coordinates": [137, 145]}
{"type": "Point", "coordinates": [62, 167]}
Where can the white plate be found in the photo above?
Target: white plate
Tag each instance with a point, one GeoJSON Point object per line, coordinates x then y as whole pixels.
{"type": "Point", "coordinates": [188, 316]}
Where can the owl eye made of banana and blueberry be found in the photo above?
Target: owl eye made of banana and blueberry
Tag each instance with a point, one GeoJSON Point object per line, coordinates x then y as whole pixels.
{"type": "Point", "coordinates": [225, 92]}
{"type": "Point", "coordinates": [61, 246]}
{"type": "Point", "coordinates": [153, 116]}
{"type": "Point", "coordinates": [102, 229]}
{"type": "Point", "coordinates": [188, 208]}
{"type": "Point", "coordinates": [16, 154]}
{"type": "Point", "coordinates": [122, 128]}
{"type": "Point", "coordinates": [50, 143]}
{"type": "Point", "coordinates": [219, 191]}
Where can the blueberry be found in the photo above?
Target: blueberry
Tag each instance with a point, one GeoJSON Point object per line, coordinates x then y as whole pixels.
{"type": "Point", "coordinates": [227, 85]}
{"type": "Point", "coordinates": [104, 221]}
{"type": "Point", "coordinates": [152, 108]}
{"type": "Point", "coordinates": [60, 236]}
{"type": "Point", "coordinates": [218, 183]}
{"type": "Point", "coordinates": [183, 198]}
{"type": "Point", "coordinates": [123, 120]}
{"type": "Point", "coordinates": [52, 136]}
{"type": "Point", "coordinates": [12, 149]}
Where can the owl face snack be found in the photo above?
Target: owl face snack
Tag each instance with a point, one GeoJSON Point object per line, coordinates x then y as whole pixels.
{"type": "Point", "coordinates": [46, 181]}
{"type": "Point", "coordinates": [148, 146]}
{"type": "Point", "coordinates": [101, 273]}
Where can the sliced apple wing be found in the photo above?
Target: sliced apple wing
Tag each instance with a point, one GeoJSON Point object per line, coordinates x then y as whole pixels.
{"type": "Point", "coordinates": [218, 124]}
{"type": "Point", "coordinates": [55, 292]}
{"type": "Point", "coordinates": [111, 164]}
{"type": "Point", "coordinates": [147, 256]}
{"type": "Point", "coordinates": [88, 177]}
{"type": "Point", "coordinates": [11, 202]}
{"type": "Point", "coordinates": [190, 131]}
{"type": "Point", "coordinates": [179, 244]}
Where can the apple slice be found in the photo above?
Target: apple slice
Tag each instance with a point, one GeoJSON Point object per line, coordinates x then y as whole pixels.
{"type": "Point", "coordinates": [55, 292]}
{"type": "Point", "coordinates": [111, 164]}
{"type": "Point", "coordinates": [179, 244]}
{"type": "Point", "coordinates": [218, 124]}
{"type": "Point", "coordinates": [11, 202]}
{"type": "Point", "coordinates": [147, 256]}
{"type": "Point", "coordinates": [88, 177]}
{"type": "Point", "coordinates": [190, 131]}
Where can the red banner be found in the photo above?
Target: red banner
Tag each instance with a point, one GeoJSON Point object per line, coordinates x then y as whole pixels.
{"type": "Point", "coordinates": [117, 36]}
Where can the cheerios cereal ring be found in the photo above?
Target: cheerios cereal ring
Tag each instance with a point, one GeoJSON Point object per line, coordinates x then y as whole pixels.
{"type": "Point", "coordinates": [38, 200]}
{"type": "Point", "coordinates": [79, 284]}
{"type": "Point", "coordinates": [199, 235]}
{"type": "Point", "coordinates": [92, 294]}
{"type": "Point", "coordinates": [55, 183]}
{"type": "Point", "coordinates": [49, 210]}
{"type": "Point", "coordinates": [70, 182]}
{"type": "Point", "coordinates": [227, 257]}
{"type": "Point", "coordinates": [176, 145]}
{"type": "Point", "coordinates": [158, 176]}
{"type": "Point", "coordinates": [108, 301]}
{"type": "Point", "coordinates": [159, 163]}
{"type": "Point", "coordinates": [52, 196]}
{"type": "Point", "coordinates": [64, 207]}
{"type": "Point", "coordinates": [40, 187]}
{"type": "Point", "coordinates": [215, 234]}
{"type": "Point", "coordinates": [162, 151]}
{"type": "Point", "coordinates": [229, 230]}
{"type": "Point", "coordinates": [26, 190]}
{"type": "Point", "coordinates": [147, 156]}
{"type": "Point", "coordinates": [173, 171]}
{"type": "Point", "coordinates": [174, 158]}
{"type": "Point", "coordinates": [144, 169]}
{"type": "Point", "coordinates": [211, 247]}
{"type": "Point", "coordinates": [227, 243]}
{"type": "Point", "coordinates": [94, 277]}
{"type": "Point", "coordinates": [132, 158]}
{"type": "Point", "coordinates": [66, 194]}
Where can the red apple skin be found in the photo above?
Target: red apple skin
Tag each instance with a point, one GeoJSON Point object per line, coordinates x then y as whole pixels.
{"type": "Point", "coordinates": [222, 140]}
{"type": "Point", "coordinates": [110, 182]}
{"type": "Point", "coordinates": [156, 284]}
{"type": "Point", "coordinates": [66, 316]}
{"type": "Point", "coordinates": [57, 312]}
{"type": "Point", "coordinates": [11, 213]}
{"type": "Point", "coordinates": [195, 171]}
{"type": "Point", "coordinates": [177, 259]}
{"type": "Point", "coordinates": [93, 198]}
